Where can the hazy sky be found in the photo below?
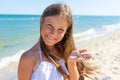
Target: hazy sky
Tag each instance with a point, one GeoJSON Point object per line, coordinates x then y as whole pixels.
{"type": "Point", "coordinates": [79, 7]}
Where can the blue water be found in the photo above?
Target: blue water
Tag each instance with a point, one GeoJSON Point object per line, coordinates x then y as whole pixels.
{"type": "Point", "coordinates": [17, 32]}
{"type": "Point", "coordinates": [83, 23]}
{"type": "Point", "coordinates": [20, 32]}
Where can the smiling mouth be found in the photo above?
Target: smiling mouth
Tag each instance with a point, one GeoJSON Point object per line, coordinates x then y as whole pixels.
{"type": "Point", "coordinates": [52, 39]}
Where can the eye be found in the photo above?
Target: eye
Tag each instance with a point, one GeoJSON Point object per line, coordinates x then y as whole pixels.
{"type": "Point", "coordinates": [60, 30]}
{"type": "Point", "coordinates": [49, 26]}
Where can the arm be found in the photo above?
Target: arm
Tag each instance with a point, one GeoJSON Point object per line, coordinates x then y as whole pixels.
{"type": "Point", "coordinates": [75, 57]}
{"type": "Point", "coordinates": [25, 67]}
{"type": "Point", "coordinates": [72, 68]}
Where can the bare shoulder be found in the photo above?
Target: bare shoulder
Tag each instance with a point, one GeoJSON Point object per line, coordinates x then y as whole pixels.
{"type": "Point", "coordinates": [29, 57]}
{"type": "Point", "coordinates": [27, 63]}
{"type": "Point", "coordinates": [26, 60]}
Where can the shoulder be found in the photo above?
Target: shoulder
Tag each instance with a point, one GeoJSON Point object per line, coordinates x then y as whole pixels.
{"type": "Point", "coordinates": [29, 59]}
{"type": "Point", "coordinates": [27, 63]}
{"type": "Point", "coordinates": [27, 56]}
{"type": "Point", "coordinates": [26, 60]}
{"type": "Point", "coordinates": [30, 56]}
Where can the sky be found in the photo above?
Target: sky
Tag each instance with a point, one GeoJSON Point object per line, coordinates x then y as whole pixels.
{"type": "Point", "coordinates": [78, 7]}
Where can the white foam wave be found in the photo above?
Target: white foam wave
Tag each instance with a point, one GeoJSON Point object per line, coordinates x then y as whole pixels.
{"type": "Point", "coordinates": [96, 33]}
{"type": "Point", "coordinates": [6, 60]}
{"type": "Point", "coordinates": [110, 28]}
{"type": "Point", "coordinates": [86, 35]}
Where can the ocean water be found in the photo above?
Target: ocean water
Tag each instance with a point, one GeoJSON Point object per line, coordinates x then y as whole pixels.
{"type": "Point", "coordinates": [20, 32]}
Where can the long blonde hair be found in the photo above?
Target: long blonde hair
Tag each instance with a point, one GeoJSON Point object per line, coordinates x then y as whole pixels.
{"type": "Point", "coordinates": [66, 45]}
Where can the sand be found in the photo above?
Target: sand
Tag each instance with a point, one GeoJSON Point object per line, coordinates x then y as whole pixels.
{"type": "Point", "coordinates": [9, 72]}
{"type": "Point", "coordinates": [106, 55]}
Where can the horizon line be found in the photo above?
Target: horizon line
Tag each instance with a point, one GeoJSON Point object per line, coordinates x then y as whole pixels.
{"type": "Point", "coordinates": [72, 14]}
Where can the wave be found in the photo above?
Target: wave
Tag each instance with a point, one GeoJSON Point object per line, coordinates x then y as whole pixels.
{"type": "Point", "coordinates": [111, 28]}
{"type": "Point", "coordinates": [94, 33]}
{"type": "Point", "coordinates": [14, 58]}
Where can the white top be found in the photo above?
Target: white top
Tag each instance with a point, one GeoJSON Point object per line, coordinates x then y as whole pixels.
{"type": "Point", "coordinates": [48, 71]}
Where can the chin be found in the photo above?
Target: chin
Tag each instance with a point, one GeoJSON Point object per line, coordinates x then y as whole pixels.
{"type": "Point", "coordinates": [49, 44]}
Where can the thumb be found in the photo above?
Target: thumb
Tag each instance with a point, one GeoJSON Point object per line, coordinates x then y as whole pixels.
{"type": "Point", "coordinates": [82, 51]}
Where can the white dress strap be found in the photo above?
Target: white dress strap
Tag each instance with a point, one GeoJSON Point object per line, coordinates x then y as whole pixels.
{"type": "Point", "coordinates": [40, 52]}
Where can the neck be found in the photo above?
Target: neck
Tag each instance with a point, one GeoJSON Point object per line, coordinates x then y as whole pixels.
{"type": "Point", "coordinates": [51, 48]}
{"type": "Point", "coordinates": [54, 51]}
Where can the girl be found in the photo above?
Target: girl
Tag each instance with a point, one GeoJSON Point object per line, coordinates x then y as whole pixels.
{"type": "Point", "coordinates": [54, 56]}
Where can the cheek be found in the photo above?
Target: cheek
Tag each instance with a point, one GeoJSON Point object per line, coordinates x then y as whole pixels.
{"type": "Point", "coordinates": [61, 36]}
{"type": "Point", "coordinates": [44, 30]}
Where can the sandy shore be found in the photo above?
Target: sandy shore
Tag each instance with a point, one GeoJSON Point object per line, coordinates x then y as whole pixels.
{"type": "Point", "coordinates": [9, 72]}
{"type": "Point", "coordinates": [106, 52]}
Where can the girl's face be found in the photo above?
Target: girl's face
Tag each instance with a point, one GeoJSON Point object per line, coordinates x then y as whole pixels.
{"type": "Point", "coordinates": [53, 29]}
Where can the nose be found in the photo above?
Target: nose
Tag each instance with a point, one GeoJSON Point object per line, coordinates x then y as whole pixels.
{"type": "Point", "coordinates": [53, 32]}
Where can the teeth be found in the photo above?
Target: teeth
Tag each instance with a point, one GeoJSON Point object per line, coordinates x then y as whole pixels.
{"type": "Point", "coordinates": [50, 38]}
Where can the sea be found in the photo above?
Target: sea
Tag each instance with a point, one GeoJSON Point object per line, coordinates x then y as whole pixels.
{"type": "Point", "coordinates": [18, 33]}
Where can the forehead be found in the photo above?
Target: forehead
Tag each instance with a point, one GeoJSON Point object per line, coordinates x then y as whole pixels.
{"type": "Point", "coordinates": [56, 21]}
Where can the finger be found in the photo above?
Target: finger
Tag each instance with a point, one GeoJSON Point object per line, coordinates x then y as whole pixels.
{"type": "Point", "coordinates": [73, 57]}
{"type": "Point", "coordinates": [86, 56]}
{"type": "Point", "coordinates": [82, 51]}
{"type": "Point", "coordinates": [76, 59]}
{"type": "Point", "coordinates": [80, 58]}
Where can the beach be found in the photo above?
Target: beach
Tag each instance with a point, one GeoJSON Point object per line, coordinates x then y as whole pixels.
{"type": "Point", "coordinates": [9, 72]}
{"type": "Point", "coordinates": [106, 55]}
{"type": "Point", "coordinates": [100, 35]}
{"type": "Point", "coordinates": [105, 51]}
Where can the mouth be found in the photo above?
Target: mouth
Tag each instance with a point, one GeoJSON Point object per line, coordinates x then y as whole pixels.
{"type": "Point", "coordinates": [50, 38]}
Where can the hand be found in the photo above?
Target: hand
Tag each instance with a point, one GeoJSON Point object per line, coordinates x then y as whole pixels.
{"type": "Point", "coordinates": [79, 55]}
